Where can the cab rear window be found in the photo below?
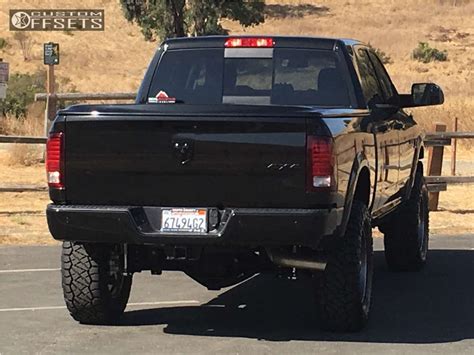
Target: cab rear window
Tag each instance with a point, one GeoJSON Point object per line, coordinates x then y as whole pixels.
{"type": "Point", "coordinates": [287, 77]}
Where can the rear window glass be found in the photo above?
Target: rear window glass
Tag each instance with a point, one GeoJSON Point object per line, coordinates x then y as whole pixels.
{"type": "Point", "coordinates": [290, 77]}
{"type": "Point", "coordinates": [192, 76]}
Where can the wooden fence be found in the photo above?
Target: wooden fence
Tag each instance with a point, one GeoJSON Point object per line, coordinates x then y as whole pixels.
{"type": "Point", "coordinates": [23, 139]}
{"type": "Point", "coordinates": [77, 96]}
{"type": "Point", "coordinates": [53, 98]}
{"type": "Point", "coordinates": [436, 141]}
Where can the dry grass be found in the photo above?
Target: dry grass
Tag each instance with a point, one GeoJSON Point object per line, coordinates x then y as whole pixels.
{"type": "Point", "coordinates": [32, 125]}
{"type": "Point", "coordinates": [462, 108]}
{"type": "Point", "coordinates": [21, 154]}
{"type": "Point", "coordinates": [115, 60]}
{"type": "Point", "coordinates": [112, 60]}
{"type": "Point", "coordinates": [22, 217]}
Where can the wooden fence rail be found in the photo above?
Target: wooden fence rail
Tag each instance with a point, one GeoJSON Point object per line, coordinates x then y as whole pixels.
{"type": "Point", "coordinates": [23, 188]}
{"type": "Point", "coordinates": [440, 139]}
{"type": "Point", "coordinates": [23, 140]}
{"type": "Point", "coordinates": [450, 179]}
{"type": "Point", "coordinates": [101, 96]}
{"type": "Point", "coordinates": [436, 141]}
{"type": "Point", "coordinates": [53, 97]}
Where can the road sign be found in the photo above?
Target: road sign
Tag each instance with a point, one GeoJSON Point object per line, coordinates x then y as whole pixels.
{"type": "Point", "coordinates": [3, 91]}
{"type": "Point", "coordinates": [51, 53]}
{"type": "Point", "coordinates": [4, 72]}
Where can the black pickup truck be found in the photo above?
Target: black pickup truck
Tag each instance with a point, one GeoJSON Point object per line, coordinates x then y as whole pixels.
{"type": "Point", "coordinates": [242, 155]}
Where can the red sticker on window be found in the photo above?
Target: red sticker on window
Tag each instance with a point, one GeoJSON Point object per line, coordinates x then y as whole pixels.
{"type": "Point", "coordinates": [162, 98]}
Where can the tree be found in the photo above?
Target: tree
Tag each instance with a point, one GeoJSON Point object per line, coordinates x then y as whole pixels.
{"type": "Point", "coordinates": [179, 18]}
{"type": "Point", "coordinates": [26, 44]}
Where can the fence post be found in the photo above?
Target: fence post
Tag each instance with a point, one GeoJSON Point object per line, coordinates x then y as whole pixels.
{"type": "Point", "coordinates": [51, 100]}
{"type": "Point", "coordinates": [453, 148]}
{"type": "Point", "coordinates": [435, 165]}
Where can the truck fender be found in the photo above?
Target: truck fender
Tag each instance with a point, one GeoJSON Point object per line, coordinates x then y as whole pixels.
{"type": "Point", "coordinates": [419, 154]}
{"type": "Point", "coordinates": [359, 166]}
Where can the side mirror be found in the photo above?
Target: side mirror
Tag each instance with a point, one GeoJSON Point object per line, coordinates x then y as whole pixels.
{"type": "Point", "coordinates": [425, 94]}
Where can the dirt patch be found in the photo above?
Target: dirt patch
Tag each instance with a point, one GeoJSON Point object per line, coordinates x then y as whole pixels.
{"type": "Point", "coordinates": [25, 229]}
{"type": "Point", "coordinates": [23, 219]}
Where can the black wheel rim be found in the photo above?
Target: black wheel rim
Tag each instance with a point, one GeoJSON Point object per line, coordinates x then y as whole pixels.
{"type": "Point", "coordinates": [116, 276]}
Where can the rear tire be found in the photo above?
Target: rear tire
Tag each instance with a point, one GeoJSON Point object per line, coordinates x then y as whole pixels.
{"type": "Point", "coordinates": [406, 237]}
{"type": "Point", "coordinates": [347, 280]}
{"type": "Point", "coordinates": [94, 287]}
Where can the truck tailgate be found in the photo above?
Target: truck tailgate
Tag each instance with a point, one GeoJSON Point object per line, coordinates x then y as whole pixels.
{"type": "Point", "coordinates": [159, 160]}
{"type": "Point", "coordinates": [186, 161]}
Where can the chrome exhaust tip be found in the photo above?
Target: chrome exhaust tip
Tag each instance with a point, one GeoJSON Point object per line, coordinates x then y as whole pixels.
{"type": "Point", "coordinates": [293, 260]}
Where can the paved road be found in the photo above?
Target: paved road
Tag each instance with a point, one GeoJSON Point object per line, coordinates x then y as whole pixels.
{"type": "Point", "coordinates": [427, 312]}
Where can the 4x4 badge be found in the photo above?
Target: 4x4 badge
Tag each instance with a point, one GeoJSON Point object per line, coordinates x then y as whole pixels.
{"type": "Point", "coordinates": [283, 166]}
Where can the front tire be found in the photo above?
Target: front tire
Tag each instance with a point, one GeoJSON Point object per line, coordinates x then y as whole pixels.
{"type": "Point", "coordinates": [347, 280]}
{"type": "Point", "coordinates": [406, 238]}
{"type": "Point", "coordinates": [94, 287]}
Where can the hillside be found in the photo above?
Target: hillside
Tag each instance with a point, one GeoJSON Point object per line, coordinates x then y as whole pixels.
{"type": "Point", "coordinates": [114, 60]}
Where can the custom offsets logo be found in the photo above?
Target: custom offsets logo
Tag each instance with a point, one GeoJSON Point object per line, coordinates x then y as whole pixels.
{"type": "Point", "coordinates": [57, 20]}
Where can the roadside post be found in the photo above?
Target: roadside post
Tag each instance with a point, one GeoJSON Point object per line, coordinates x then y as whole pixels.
{"type": "Point", "coordinates": [4, 71]}
{"type": "Point", "coordinates": [454, 145]}
{"type": "Point", "coordinates": [435, 166]}
{"type": "Point", "coordinates": [51, 58]}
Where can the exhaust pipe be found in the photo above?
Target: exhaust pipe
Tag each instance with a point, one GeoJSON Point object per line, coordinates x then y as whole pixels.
{"type": "Point", "coordinates": [286, 259]}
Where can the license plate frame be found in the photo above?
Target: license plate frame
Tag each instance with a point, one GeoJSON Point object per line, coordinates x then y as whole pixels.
{"type": "Point", "coordinates": [184, 220]}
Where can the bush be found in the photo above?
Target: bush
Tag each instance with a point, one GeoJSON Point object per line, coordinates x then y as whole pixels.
{"type": "Point", "coordinates": [384, 57]}
{"type": "Point", "coordinates": [21, 92]}
{"type": "Point", "coordinates": [424, 53]}
{"type": "Point", "coordinates": [3, 43]}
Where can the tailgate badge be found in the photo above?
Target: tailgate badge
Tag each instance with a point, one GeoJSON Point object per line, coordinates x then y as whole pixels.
{"type": "Point", "coordinates": [283, 166]}
{"type": "Point", "coordinates": [183, 151]}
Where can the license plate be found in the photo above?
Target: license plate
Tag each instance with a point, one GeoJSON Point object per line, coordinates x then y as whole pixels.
{"type": "Point", "coordinates": [184, 220]}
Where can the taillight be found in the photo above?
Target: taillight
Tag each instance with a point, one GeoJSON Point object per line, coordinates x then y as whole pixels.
{"type": "Point", "coordinates": [261, 42]}
{"type": "Point", "coordinates": [55, 160]}
{"type": "Point", "coordinates": [320, 163]}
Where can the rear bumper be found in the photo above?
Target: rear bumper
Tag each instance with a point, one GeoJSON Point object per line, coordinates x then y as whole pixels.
{"type": "Point", "coordinates": [236, 227]}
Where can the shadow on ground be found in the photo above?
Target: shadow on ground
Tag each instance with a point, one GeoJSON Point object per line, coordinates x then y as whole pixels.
{"type": "Point", "coordinates": [432, 306]}
{"type": "Point", "coordinates": [285, 11]}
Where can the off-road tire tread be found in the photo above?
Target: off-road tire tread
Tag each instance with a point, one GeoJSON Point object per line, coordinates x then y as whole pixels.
{"type": "Point", "coordinates": [400, 236]}
{"type": "Point", "coordinates": [83, 269]}
{"type": "Point", "coordinates": [341, 306]}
